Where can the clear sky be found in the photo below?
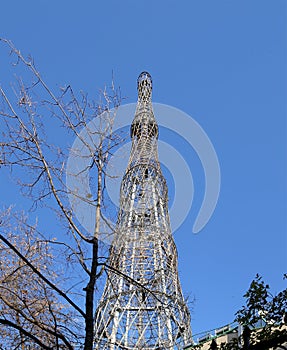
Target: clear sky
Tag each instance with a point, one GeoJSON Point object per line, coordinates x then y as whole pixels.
{"type": "Point", "coordinates": [223, 62]}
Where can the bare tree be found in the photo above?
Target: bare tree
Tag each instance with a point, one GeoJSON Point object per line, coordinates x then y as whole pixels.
{"type": "Point", "coordinates": [30, 310]}
{"type": "Point", "coordinates": [40, 304]}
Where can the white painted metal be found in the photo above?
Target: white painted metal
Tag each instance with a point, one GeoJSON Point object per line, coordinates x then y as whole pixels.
{"type": "Point", "coordinates": [142, 306]}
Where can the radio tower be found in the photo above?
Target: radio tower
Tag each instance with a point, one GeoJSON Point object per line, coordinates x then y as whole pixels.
{"type": "Point", "coordinates": [145, 310]}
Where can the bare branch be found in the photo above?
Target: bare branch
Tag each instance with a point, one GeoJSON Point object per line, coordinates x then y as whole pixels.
{"type": "Point", "coordinates": [41, 275]}
{"type": "Point", "coordinates": [28, 334]}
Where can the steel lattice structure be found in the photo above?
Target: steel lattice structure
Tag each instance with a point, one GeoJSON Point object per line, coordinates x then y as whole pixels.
{"type": "Point", "coordinates": [147, 310]}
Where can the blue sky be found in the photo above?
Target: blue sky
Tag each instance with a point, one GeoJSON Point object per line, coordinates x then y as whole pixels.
{"type": "Point", "coordinates": [224, 63]}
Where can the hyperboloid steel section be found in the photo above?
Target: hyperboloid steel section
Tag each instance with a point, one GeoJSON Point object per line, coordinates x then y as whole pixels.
{"type": "Point", "coordinates": [142, 306]}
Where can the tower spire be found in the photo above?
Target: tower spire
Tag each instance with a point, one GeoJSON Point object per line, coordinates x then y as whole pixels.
{"type": "Point", "coordinates": [142, 306]}
{"type": "Point", "coordinates": [144, 85]}
{"type": "Point", "coordinates": [144, 129]}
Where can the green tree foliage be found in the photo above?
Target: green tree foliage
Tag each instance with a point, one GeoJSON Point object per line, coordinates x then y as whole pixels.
{"type": "Point", "coordinates": [264, 317]}
{"type": "Point", "coordinates": [262, 321]}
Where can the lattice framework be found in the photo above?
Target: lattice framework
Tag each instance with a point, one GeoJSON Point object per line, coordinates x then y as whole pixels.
{"type": "Point", "coordinates": [147, 310]}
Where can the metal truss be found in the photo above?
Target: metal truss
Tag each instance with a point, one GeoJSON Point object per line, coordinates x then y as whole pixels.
{"type": "Point", "coordinates": [142, 306]}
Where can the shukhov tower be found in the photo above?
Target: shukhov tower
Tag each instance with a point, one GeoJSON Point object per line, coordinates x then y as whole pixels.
{"type": "Point", "coordinates": [142, 306]}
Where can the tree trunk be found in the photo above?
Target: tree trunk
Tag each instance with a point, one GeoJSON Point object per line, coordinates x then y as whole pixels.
{"type": "Point", "coordinates": [89, 337]}
{"type": "Point", "coordinates": [90, 300]}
